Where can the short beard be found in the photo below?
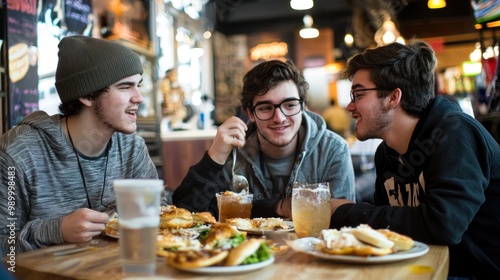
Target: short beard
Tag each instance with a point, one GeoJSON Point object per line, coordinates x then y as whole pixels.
{"type": "Point", "coordinates": [268, 141]}
{"type": "Point", "coordinates": [378, 127]}
{"type": "Point", "coordinates": [99, 111]}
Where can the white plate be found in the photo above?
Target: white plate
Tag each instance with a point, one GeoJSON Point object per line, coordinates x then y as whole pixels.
{"type": "Point", "coordinates": [112, 235]}
{"type": "Point", "coordinates": [200, 228]}
{"type": "Point", "coordinates": [308, 246]}
{"type": "Point", "coordinates": [230, 269]}
{"type": "Point", "coordinates": [264, 232]}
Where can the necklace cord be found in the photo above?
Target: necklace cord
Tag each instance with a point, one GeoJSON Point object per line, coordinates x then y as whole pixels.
{"type": "Point", "coordinates": [81, 169]}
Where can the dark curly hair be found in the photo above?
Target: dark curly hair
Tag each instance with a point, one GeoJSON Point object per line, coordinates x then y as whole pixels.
{"type": "Point", "coordinates": [410, 68]}
{"type": "Point", "coordinates": [268, 75]}
{"type": "Point", "coordinates": [74, 107]}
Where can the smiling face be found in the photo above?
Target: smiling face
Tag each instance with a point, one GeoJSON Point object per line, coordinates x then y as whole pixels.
{"type": "Point", "coordinates": [370, 112]}
{"type": "Point", "coordinates": [116, 109]}
{"type": "Point", "coordinates": [278, 135]}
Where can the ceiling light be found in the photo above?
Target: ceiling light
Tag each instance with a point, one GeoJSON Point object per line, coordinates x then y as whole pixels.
{"type": "Point", "coordinates": [436, 4]}
{"type": "Point", "coordinates": [387, 34]}
{"type": "Point", "coordinates": [308, 31]}
{"type": "Point", "coordinates": [388, 37]}
{"type": "Point", "coordinates": [348, 39]}
{"type": "Point", "coordinates": [301, 4]}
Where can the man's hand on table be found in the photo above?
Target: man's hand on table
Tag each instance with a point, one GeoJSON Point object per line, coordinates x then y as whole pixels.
{"type": "Point", "coordinates": [83, 224]}
{"type": "Point", "coordinates": [284, 208]}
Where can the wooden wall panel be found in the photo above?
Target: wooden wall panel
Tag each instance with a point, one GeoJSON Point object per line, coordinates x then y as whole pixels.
{"type": "Point", "coordinates": [179, 156]}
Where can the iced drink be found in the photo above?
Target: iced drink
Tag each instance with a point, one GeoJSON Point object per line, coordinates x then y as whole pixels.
{"type": "Point", "coordinates": [311, 211]}
{"type": "Point", "coordinates": [234, 205]}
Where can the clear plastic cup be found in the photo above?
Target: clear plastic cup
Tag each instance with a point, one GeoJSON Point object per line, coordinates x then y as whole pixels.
{"type": "Point", "coordinates": [138, 207]}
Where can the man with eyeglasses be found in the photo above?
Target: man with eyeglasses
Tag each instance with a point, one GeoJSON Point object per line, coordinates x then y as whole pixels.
{"type": "Point", "coordinates": [438, 169]}
{"type": "Point", "coordinates": [280, 137]}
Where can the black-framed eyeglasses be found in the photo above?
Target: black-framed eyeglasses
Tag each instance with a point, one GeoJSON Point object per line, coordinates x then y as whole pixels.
{"type": "Point", "coordinates": [353, 91]}
{"type": "Point", "coordinates": [289, 107]}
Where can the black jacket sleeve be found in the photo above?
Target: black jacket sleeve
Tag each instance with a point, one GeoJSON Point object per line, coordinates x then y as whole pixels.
{"type": "Point", "coordinates": [197, 190]}
{"type": "Point", "coordinates": [265, 208]}
{"type": "Point", "coordinates": [206, 178]}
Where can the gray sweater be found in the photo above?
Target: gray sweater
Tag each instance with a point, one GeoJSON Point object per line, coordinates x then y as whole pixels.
{"type": "Point", "coordinates": [41, 182]}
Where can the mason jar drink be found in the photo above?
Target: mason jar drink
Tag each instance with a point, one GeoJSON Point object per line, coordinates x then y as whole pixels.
{"type": "Point", "coordinates": [234, 205]}
{"type": "Point", "coordinates": [311, 211]}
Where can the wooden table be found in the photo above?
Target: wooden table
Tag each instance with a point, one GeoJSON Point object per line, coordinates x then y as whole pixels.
{"type": "Point", "coordinates": [104, 263]}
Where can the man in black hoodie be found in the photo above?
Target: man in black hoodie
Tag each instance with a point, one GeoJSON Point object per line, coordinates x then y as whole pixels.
{"type": "Point", "coordinates": [438, 169]}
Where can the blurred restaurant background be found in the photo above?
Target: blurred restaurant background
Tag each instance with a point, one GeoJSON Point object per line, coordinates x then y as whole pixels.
{"type": "Point", "coordinates": [196, 52]}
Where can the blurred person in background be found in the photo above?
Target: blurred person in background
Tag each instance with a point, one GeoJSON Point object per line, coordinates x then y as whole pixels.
{"type": "Point", "coordinates": [174, 97]}
{"type": "Point", "coordinates": [337, 119]}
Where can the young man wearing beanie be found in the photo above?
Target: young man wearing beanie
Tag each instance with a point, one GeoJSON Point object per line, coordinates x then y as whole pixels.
{"type": "Point", "coordinates": [57, 171]}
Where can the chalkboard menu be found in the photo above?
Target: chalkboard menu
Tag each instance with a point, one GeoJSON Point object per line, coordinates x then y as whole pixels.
{"type": "Point", "coordinates": [22, 59]}
{"type": "Point", "coordinates": [77, 16]}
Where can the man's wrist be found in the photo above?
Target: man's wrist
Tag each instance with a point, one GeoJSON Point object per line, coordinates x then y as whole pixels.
{"type": "Point", "coordinates": [215, 158]}
{"type": "Point", "coordinates": [278, 207]}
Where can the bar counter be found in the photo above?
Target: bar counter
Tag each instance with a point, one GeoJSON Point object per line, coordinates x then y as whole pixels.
{"type": "Point", "coordinates": [181, 150]}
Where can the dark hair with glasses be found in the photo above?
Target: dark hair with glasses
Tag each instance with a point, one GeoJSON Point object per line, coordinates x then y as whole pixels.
{"type": "Point", "coordinates": [268, 75]}
{"type": "Point", "coordinates": [410, 68]}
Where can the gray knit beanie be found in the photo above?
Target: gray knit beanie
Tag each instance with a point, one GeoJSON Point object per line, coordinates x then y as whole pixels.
{"type": "Point", "coordinates": [87, 65]}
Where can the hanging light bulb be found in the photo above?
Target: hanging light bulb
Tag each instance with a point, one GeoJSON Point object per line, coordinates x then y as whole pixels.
{"type": "Point", "coordinates": [387, 34]}
{"type": "Point", "coordinates": [308, 20]}
{"type": "Point", "coordinates": [388, 37]}
{"type": "Point", "coordinates": [308, 31]}
{"type": "Point", "coordinates": [436, 4]}
{"type": "Point", "coordinates": [301, 4]}
{"type": "Point", "coordinates": [348, 39]}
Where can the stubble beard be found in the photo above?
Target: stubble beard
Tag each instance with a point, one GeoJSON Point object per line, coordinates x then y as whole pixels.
{"type": "Point", "coordinates": [377, 129]}
{"type": "Point", "coordinates": [269, 141]}
{"type": "Point", "coordinates": [99, 111]}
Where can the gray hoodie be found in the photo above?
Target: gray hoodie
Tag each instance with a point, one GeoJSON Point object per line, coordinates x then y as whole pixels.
{"type": "Point", "coordinates": [41, 181]}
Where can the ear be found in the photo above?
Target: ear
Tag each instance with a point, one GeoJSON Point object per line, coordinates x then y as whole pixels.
{"type": "Point", "coordinates": [250, 115]}
{"type": "Point", "coordinates": [86, 102]}
{"type": "Point", "coordinates": [394, 99]}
